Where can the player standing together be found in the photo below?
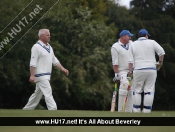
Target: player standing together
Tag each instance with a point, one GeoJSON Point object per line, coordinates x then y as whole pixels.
{"type": "Point", "coordinates": [142, 54]}
{"type": "Point", "coordinates": [42, 58]}
{"type": "Point", "coordinates": [120, 53]}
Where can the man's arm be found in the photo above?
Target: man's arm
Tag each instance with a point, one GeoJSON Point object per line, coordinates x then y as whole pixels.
{"type": "Point", "coordinates": [33, 63]}
{"type": "Point", "coordinates": [160, 62]}
{"type": "Point", "coordinates": [161, 58]}
{"type": "Point", "coordinates": [32, 74]}
{"type": "Point", "coordinates": [130, 67]}
{"type": "Point", "coordinates": [114, 55]}
{"type": "Point", "coordinates": [59, 66]}
{"type": "Point", "coordinates": [57, 63]}
{"type": "Point", "coordinates": [115, 67]}
{"type": "Point", "coordinates": [130, 62]}
{"type": "Point", "coordinates": [160, 52]}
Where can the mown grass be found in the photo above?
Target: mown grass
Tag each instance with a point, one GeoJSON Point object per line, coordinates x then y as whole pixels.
{"type": "Point", "coordinates": [79, 113]}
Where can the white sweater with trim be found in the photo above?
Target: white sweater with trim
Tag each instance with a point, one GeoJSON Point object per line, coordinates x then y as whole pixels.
{"type": "Point", "coordinates": [120, 56]}
{"type": "Point", "coordinates": [142, 53]}
{"type": "Point", "coordinates": [42, 58]}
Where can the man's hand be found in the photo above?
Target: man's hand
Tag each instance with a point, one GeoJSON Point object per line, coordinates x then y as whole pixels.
{"type": "Point", "coordinates": [159, 65]}
{"type": "Point", "coordinates": [65, 71]}
{"type": "Point", "coordinates": [62, 69]}
{"type": "Point", "coordinates": [116, 78]}
{"type": "Point", "coordinates": [32, 79]}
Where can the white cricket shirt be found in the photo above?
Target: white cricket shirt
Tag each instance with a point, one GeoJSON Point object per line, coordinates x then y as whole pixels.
{"type": "Point", "coordinates": [42, 58]}
{"type": "Point", "coordinates": [120, 56]}
{"type": "Point", "coordinates": [142, 53]}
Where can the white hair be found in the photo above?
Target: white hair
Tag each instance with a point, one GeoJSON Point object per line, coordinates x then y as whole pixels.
{"type": "Point", "coordinates": [42, 31]}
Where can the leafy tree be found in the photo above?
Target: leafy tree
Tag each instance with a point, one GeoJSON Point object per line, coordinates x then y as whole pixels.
{"type": "Point", "coordinates": [85, 49]}
{"type": "Point", "coordinates": [82, 33]}
{"type": "Point", "coordinates": [82, 44]}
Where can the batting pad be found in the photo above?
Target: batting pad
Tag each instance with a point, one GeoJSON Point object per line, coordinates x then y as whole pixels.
{"type": "Point", "coordinates": [129, 103]}
{"type": "Point", "coordinates": [136, 102]}
{"type": "Point", "coordinates": [124, 86]}
{"type": "Point", "coordinates": [148, 101]}
{"type": "Point", "coordinates": [121, 97]}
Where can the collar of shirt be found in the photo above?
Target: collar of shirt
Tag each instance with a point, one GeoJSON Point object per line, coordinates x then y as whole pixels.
{"type": "Point", "coordinates": [127, 45]}
{"type": "Point", "coordinates": [45, 45]}
{"type": "Point", "coordinates": [142, 38]}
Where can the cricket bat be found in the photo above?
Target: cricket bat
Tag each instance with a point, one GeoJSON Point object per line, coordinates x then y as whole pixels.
{"type": "Point", "coordinates": [125, 100]}
{"type": "Point", "coordinates": [114, 96]}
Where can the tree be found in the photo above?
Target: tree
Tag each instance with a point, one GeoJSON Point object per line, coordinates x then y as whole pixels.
{"type": "Point", "coordinates": [82, 44]}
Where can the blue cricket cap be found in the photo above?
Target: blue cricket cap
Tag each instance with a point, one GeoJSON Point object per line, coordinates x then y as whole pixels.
{"type": "Point", "coordinates": [143, 32]}
{"type": "Point", "coordinates": [126, 32]}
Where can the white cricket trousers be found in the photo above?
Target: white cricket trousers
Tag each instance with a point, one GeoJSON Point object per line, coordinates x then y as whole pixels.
{"type": "Point", "coordinates": [144, 81]}
{"type": "Point", "coordinates": [42, 88]}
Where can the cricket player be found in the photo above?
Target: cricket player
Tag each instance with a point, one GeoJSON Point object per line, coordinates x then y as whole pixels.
{"type": "Point", "coordinates": [42, 59]}
{"type": "Point", "coordinates": [142, 54]}
{"type": "Point", "coordinates": [120, 55]}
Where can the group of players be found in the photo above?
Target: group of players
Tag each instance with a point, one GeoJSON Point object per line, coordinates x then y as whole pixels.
{"type": "Point", "coordinates": [136, 60]}
{"type": "Point", "coordinates": [129, 59]}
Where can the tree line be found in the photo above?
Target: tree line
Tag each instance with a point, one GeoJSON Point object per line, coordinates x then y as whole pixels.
{"type": "Point", "coordinates": [82, 33]}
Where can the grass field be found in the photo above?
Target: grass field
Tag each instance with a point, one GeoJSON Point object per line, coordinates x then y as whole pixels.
{"type": "Point", "coordinates": [76, 113]}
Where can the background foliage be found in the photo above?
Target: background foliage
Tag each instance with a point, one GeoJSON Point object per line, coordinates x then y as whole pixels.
{"type": "Point", "coordinates": [82, 33]}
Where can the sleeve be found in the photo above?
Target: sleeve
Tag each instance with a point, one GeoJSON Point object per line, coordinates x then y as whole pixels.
{"type": "Point", "coordinates": [158, 49]}
{"type": "Point", "coordinates": [130, 57]}
{"type": "Point", "coordinates": [34, 57]}
{"type": "Point", "coordinates": [114, 55]}
{"type": "Point", "coordinates": [55, 61]}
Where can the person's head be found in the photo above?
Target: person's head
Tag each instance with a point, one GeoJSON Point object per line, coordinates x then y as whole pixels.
{"type": "Point", "coordinates": [44, 35]}
{"type": "Point", "coordinates": [143, 33]}
{"type": "Point", "coordinates": [125, 36]}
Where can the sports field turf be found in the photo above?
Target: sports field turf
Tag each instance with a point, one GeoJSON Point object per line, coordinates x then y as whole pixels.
{"type": "Point", "coordinates": [76, 113]}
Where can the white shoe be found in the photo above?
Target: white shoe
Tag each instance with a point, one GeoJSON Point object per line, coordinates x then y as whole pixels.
{"type": "Point", "coordinates": [136, 110]}
{"type": "Point", "coordinates": [146, 110]}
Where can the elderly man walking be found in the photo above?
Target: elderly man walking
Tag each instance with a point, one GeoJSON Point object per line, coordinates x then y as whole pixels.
{"type": "Point", "coordinates": [42, 59]}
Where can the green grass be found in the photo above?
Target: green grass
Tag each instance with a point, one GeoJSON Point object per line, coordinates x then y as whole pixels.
{"type": "Point", "coordinates": [77, 113]}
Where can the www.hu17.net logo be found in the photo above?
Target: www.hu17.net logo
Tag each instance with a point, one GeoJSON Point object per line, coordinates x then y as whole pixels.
{"type": "Point", "coordinates": [19, 25]}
